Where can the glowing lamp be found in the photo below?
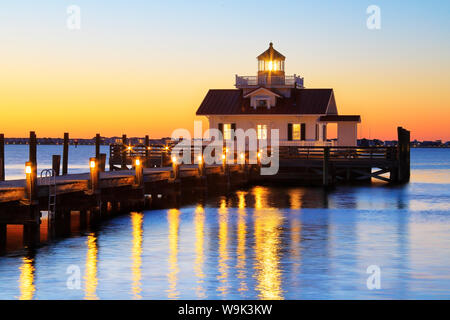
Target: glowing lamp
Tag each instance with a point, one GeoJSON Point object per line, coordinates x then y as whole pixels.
{"type": "Point", "coordinates": [27, 169]}
{"type": "Point", "coordinates": [259, 154]}
{"type": "Point", "coordinates": [92, 164]}
{"type": "Point", "coordinates": [242, 155]}
{"type": "Point", "coordinates": [174, 159]}
{"type": "Point", "coordinates": [129, 148]}
{"type": "Point", "coordinates": [138, 162]}
{"type": "Point", "coordinates": [200, 160]}
{"type": "Point", "coordinates": [223, 156]}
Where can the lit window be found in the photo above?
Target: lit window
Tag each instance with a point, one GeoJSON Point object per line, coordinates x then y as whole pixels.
{"type": "Point", "coordinates": [296, 131]}
{"type": "Point", "coordinates": [227, 131]}
{"type": "Point", "coordinates": [262, 131]}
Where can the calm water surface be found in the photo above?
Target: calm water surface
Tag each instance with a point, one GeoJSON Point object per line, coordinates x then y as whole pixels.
{"type": "Point", "coordinates": [257, 243]}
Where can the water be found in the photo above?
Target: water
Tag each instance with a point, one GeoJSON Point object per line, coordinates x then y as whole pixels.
{"type": "Point", "coordinates": [257, 243]}
{"type": "Point", "coordinates": [17, 155]}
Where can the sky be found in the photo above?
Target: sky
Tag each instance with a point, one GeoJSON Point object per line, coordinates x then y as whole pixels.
{"type": "Point", "coordinates": [144, 67]}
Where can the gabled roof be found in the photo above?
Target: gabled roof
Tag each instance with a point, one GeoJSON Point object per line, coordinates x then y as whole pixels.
{"type": "Point", "coordinates": [262, 90]}
{"type": "Point", "coordinates": [301, 102]}
{"type": "Point", "coordinates": [271, 54]}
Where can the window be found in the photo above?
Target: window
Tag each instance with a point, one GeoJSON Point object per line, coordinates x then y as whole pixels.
{"type": "Point", "coordinates": [261, 103]}
{"type": "Point", "coordinates": [227, 131]}
{"type": "Point", "coordinates": [262, 131]}
{"type": "Point", "coordinates": [296, 131]}
{"type": "Point", "coordinates": [303, 131]}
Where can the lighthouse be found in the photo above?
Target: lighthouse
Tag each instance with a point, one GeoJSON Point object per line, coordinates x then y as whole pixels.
{"type": "Point", "coordinates": [271, 99]}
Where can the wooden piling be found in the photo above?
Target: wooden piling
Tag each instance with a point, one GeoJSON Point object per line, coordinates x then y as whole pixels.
{"type": "Point", "coordinates": [3, 236]}
{"type": "Point", "coordinates": [102, 162]}
{"type": "Point", "coordinates": [326, 166]}
{"type": "Point", "coordinates": [33, 152]}
{"type": "Point", "coordinates": [403, 152]}
{"type": "Point", "coordinates": [124, 152]}
{"type": "Point", "coordinates": [31, 179]}
{"type": "Point", "coordinates": [56, 163]}
{"type": "Point", "coordinates": [65, 153]}
{"type": "Point", "coordinates": [94, 176]}
{"type": "Point", "coordinates": [31, 234]}
{"type": "Point", "coordinates": [97, 146]}
{"type": "Point", "coordinates": [146, 163]}
{"type": "Point", "coordinates": [2, 157]}
{"type": "Point", "coordinates": [139, 173]}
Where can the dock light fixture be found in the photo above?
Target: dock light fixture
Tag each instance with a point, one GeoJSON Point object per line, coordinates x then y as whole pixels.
{"type": "Point", "coordinates": [92, 164]}
{"type": "Point", "coordinates": [28, 169]}
{"type": "Point", "coordinates": [129, 148]}
{"type": "Point", "coordinates": [242, 156]}
{"type": "Point", "coordinates": [138, 162]}
{"type": "Point", "coordinates": [174, 159]}
{"type": "Point", "coordinates": [259, 154]}
{"type": "Point", "coordinates": [200, 159]}
{"type": "Point", "coordinates": [223, 156]}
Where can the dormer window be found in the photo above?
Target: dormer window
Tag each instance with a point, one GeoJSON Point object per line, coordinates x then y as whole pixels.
{"type": "Point", "coordinates": [262, 103]}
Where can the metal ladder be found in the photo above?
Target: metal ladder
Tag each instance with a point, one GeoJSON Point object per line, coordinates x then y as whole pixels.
{"type": "Point", "coordinates": [48, 177]}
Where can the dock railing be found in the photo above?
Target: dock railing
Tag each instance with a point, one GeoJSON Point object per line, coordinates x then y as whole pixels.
{"type": "Point", "coordinates": [160, 155]}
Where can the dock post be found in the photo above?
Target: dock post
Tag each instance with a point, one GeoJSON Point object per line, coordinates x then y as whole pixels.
{"type": "Point", "coordinates": [31, 234]}
{"type": "Point", "coordinates": [201, 166]}
{"type": "Point", "coordinates": [97, 146]}
{"type": "Point", "coordinates": [83, 219]}
{"type": "Point", "coordinates": [2, 157]}
{"type": "Point", "coordinates": [3, 228]}
{"type": "Point", "coordinates": [102, 162]}
{"type": "Point", "coordinates": [146, 163]}
{"type": "Point", "coordinates": [326, 166]}
{"type": "Point", "coordinates": [65, 153]}
{"type": "Point", "coordinates": [139, 175]}
{"type": "Point", "coordinates": [175, 168]}
{"type": "Point", "coordinates": [33, 152]}
{"type": "Point", "coordinates": [31, 186]}
{"type": "Point", "coordinates": [403, 155]}
{"type": "Point", "coordinates": [94, 176]}
{"type": "Point", "coordinates": [124, 152]}
{"type": "Point", "coordinates": [56, 163]}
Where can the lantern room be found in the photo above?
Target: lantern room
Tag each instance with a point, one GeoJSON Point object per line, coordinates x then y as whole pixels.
{"type": "Point", "coordinates": [271, 62]}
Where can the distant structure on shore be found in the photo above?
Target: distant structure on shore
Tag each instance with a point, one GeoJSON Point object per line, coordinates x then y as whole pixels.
{"type": "Point", "coordinates": [103, 141]}
{"type": "Point", "coordinates": [274, 100]}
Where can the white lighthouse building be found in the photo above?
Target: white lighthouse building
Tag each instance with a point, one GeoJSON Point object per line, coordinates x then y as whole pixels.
{"type": "Point", "coordinates": [274, 100]}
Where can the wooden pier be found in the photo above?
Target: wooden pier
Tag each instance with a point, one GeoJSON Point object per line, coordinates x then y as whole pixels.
{"type": "Point", "coordinates": [145, 176]}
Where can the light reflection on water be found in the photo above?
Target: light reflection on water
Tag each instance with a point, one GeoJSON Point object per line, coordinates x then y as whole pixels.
{"type": "Point", "coordinates": [256, 243]}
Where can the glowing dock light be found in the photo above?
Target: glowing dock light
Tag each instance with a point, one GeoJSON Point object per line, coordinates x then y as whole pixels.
{"type": "Point", "coordinates": [92, 164]}
{"type": "Point", "coordinates": [242, 155]}
{"type": "Point", "coordinates": [223, 156]}
{"type": "Point", "coordinates": [129, 148]}
{"type": "Point", "coordinates": [138, 162]}
{"type": "Point", "coordinates": [259, 155]}
{"type": "Point", "coordinates": [28, 169]}
{"type": "Point", "coordinates": [174, 159]}
{"type": "Point", "coordinates": [200, 160]}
